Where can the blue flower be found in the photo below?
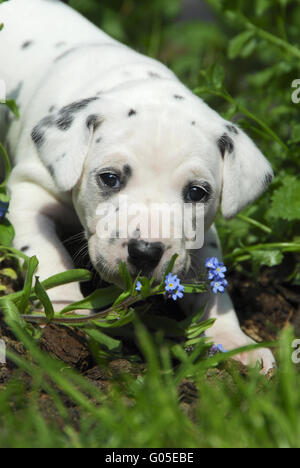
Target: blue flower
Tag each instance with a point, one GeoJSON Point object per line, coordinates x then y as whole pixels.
{"type": "Point", "coordinates": [211, 275]}
{"type": "Point", "coordinates": [173, 287]}
{"type": "Point", "coordinates": [221, 349]}
{"type": "Point", "coordinates": [138, 286]}
{"type": "Point", "coordinates": [216, 349]}
{"type": "Point", "coordinates": [212, 262]}
{"type": "Point", "coordinates": [219, 286]}
{"type": "Point", "coordinates": [220, 270]}
{"type": "Point", "coordinates": [177, 293]}
{"type": "Point", "coordinates": [3, 209]}
{"type": "Point", "coordinates": [216, 274]}
{"type": "Point", "coordinates": [171, 282]}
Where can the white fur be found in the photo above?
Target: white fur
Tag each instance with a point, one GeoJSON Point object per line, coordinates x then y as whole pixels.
{"type": "Point", "coordinates": [169, 141]}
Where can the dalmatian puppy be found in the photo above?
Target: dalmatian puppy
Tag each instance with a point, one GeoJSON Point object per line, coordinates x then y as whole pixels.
{"type": "Point", "coordinates": [99, 120]}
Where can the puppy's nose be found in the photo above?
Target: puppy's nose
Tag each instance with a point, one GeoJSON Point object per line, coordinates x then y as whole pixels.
{"type": "Point", "coordinates": [145, 255]}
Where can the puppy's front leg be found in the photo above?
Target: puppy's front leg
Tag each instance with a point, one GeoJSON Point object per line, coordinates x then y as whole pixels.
{"type": "Point", "coordinates": [33, 212]}
{"type": "Point", "coordinates": [226, 329]}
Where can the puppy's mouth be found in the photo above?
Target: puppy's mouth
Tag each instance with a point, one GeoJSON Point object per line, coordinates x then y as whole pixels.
{"type": "Point", "coordinates": [142, 258]}
{"type": "Point", "coordinates": [110, 272]}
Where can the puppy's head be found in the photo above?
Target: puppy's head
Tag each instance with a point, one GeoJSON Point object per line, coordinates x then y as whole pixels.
{"type": "Point", "coordinates": [147, 146]}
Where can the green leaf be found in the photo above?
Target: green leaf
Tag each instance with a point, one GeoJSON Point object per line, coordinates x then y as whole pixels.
{"type": "Point", "coordinates": [195, 288]}
{"type": "Point", "coordinates": [238, 43]}
{"type": "Point", "coordinates": [265, 257]}
{"type": "Point", "coordinates": [296, 133]}
{"type": "Point", "coordinates": [122, 298]}
{"type": "Point", "coordinates": [195, 330]}
{"type": "Point", "coordinates": [125, 320]}
{"type": "Point", "coordinates": [9, 272]}
{"type": "Point", "coordinates": [171, 264]}
{"type": "Point", "coordinates": [98, 299]}
{"type": "Point", "coordinates": [7, 165]}
{"type": "Point", "coordinates": [11, 312]}
{"type": "Point", "coordinates": [125, 276]}
{"type": "Point", "coordinates": [110, 343]}
{"type": "Point", "coordinates": [11, 104]}
{"type": "Point", "coordinates": [66, 277]}
{"type": "Point", "coordinates": [7, 233]}
{"type": "Point", "coordinates": [286, 200]}
{"type": "Point", "coordinates": [262, 6]}
{"type": "Point", "coordinates": [31, 266]}
{"type": "Point", "coordinates": [44, 298]}
{"type": "Point", "coordinates": [249, 48]}
{"type": "Point", "coordinates": [218, 76]}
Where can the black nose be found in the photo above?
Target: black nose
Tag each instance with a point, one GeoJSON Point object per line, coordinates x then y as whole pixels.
{"type": "Point", "coordinates": [145, 256]}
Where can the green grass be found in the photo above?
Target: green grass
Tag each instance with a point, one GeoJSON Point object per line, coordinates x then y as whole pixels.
{"type": "Point", "coordinates": [231, 410]}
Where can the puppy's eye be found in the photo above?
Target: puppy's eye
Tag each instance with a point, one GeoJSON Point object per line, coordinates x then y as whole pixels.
{"type": "Point", "coordinates": [196, 194]}
{"type": "Point", "coordinates": [110, 180]}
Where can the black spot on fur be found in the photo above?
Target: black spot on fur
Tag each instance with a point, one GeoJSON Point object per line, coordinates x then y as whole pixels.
{"type": "Point", "coordinates": [154, 74]}
{"type": "Point", "coordinates": [178, 97]}
{"type": "Point", "coordinates": [92, 120]}
{"type": "Point", "coordinates": [26, 44]}
{"type": "Point", "coordinates": [51, 169]}
{"type": "Point", "coordinates": [24, 248]}
{"type": "Point", "coordinates": [127, 170]}
{"type": "Point", "coordinates": [98, 140]}
{"type": "Point", "coordinates": [51, 109]}
{"type": "Point", "coordinates": [38, 132]}
{"type": "Point", "coordinates": [268, 178]}
{"type": "Point", "coordinates": [65, 54]}
{"type": "Point", "coordinates": [193, 122]}
{"type": "Point", "coordinates": [131, 113]}
{"type": "Point", "coordinates": [66, 113]}
{"type": "Point", "coordinates": [232, 129]}
{"type": "Point", "coordinates": [38, 135]}
{"type": "Point", "coordinates": [64, 122]}
{"type": "Point", "coordinates": [47, 121]}
{"type": "Point", "coordinates": [225, 143]}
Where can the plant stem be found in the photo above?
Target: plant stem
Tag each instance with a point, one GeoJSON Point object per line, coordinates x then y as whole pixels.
{"type": "Point", "coordinates": [254, 223]}
{"type": "Point", "coordinates": [245, 111]}
{"type": "Point", "coordinates": [291, 49]}
{"type": "Point", "coordinates": [73, 320]}
{"type": "Point", "coordinates": [284, 246]}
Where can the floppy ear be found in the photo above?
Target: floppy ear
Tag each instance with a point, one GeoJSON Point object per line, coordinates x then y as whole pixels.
{"type": "Point", "coordinates": [62, 141]}
{"type": "Point", "coordinates": [246, 172]}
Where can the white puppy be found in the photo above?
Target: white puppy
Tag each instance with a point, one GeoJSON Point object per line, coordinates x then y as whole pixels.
{"type": "Point", "coordinates": [99, 120]}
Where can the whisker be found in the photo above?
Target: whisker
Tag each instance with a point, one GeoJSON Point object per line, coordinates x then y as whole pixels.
{"type": "Point", "coordinates": [79, 236]}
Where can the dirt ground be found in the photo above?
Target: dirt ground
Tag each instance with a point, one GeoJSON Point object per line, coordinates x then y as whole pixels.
{"type": "Point", "coordinates": [264, 307]}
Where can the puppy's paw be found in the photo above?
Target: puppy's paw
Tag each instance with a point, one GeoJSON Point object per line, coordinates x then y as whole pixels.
{"type": "Point", "coordinates": [262, 355]}
{"type": "Point", "coordinates": [249, 358]}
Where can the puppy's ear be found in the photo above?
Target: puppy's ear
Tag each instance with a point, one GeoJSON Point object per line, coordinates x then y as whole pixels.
{"type": "Point", "coordinates": [246, 172]}
{"type": "Point", "coordinates": [62, 141]}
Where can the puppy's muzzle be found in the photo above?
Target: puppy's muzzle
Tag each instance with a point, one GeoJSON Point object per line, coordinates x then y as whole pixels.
{"type": "Point", "coordinates": [144, 256]}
